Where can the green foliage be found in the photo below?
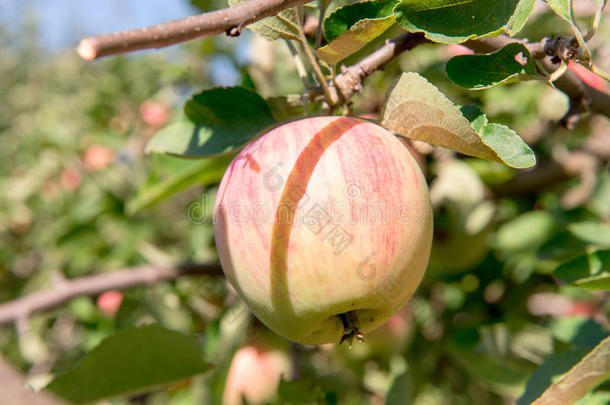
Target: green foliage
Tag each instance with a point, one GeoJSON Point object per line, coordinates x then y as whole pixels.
{"type": "Point", "coordinates": [590, 271]}
{"type": "Point", "coordinates": [511, 302]}
{"type": "Point", "coordinates": [129, 361]}
{"type": "Point", "coordinates": [350, 28]}
{"type": "Point", "coordinates": [220, 120]}
{"type": "Point", "coordinates": [449, 21]}
{"type": "Point", "coordinates": [416, 109]}
{"type": "Point", "coordinates": [513, 62]}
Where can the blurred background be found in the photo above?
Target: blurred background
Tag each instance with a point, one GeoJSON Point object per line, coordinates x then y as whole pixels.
{"type": "Point", "coordinates": [78, 197]}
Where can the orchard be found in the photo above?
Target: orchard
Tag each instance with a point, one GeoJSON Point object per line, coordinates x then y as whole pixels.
{"type": "Point", "coordinates": [293, 202]}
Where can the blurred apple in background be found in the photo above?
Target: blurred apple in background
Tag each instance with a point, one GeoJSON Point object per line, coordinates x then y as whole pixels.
{"type": "Point", "coordinates": [255, 373]}
{"type": "Point", "coordinates": [588, 76]}
{"type": "Point", "coordinates": [97, 157]}
{"type": "Point", "coordinates": [154, 114]}
{"type": "Point", "coordinates": [109, 302]}
{"type": "Point", "coordinates": [70, 179]}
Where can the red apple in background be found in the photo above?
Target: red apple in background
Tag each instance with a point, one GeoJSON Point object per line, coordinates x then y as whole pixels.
{"type": "Point", "coordinates": [109, 302]}
{"type": "Point", "coordinates": [255, 373]}
{"type": "Point", "coordinates": [70, 179]}
{"type": "Point", "coordinates": [324, 227]}
{"type": "Point", "coordinates": [154, 114]}
{"type": "Point", "coordinates": [587, 76]}
{"type": "Point", "coordinates": [97, 157]}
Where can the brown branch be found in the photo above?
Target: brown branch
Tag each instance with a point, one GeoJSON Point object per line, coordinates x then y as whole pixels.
{"type": "Point", "coordinates": [230, 20]}
{"type": "Point", "coordinates": [14, 391]}
{"type": "Point", "coordinates": [349, 81]}
{"type": "Point", "coordinates": [21, 308]}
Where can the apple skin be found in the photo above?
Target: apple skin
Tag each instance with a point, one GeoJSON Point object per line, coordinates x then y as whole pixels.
{"type": "Point", "coordinates": [279, 247]}
{"type": "Point", "coordinates": [255, 373]}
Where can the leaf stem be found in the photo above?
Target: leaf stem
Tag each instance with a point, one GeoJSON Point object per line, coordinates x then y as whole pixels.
{"type": "Point", "coordinates": [322, 9]}
{"type": "Point", "coordinates": [314, 64]}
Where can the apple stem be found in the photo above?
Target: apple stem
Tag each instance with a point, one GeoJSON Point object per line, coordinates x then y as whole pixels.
{"type": "Point", "coordinates": [349, 329]}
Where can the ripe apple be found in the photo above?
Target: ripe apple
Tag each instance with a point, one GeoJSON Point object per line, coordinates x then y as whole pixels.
{"type": "Point", "coordinates": [255, 373]}
{"type": "Point", "coordinates": [324, 227]}
{"type": "Point", "coordinates": [154, 114]}
{"type": "Point", "coordinates": [97, 157]}
{"type": "Point", "coordinates": [109, 302]}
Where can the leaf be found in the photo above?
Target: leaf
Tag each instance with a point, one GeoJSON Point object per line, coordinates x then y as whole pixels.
{"type": "Point", "coordinates": [220, 120]}
{"type": "Point", "coordinates": [526, 232]}
{"type": "Point", "coordinates": [589, 271]}
{"type": "Point", "coordinates": [416, 109]}
{"type": "Point", "coordinates": [284, 25]}
{"type": "Point", "coordinates": [511, 63]}
{"type": "Point", "coordinates": [350, 28]}
{"type": "Point", "coordinates": [131, 360]}
{"type": "Point", "coordinates": [451, 21]}
{"type": "Point", "coordinates": [542, 377]}
{"type": "Point", "coordinates": [401, 390]}
{"type": "Point", "coordinates": [563, 8]}
{"type": "Point", "coordinates": [519, 18]}
{"type": "Point", "coordinates": [580, 332]}
{"type": "Point", "coordinates": [580, 379]}
{"type": "Point", "coordinates": [205, 172]}
{"type": "Point", "coordinates": [595, 233]}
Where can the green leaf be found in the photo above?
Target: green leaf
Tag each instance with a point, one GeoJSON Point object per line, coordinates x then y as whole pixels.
{"type": "Point", "coordinates": [543, 376]}
{"type": "Point", "coordinates": [563, 8]}
{"type": "Point", "coordinates": [589, 271]}
{"type": "Point", "coordinates": [511, 63]}
{"type": "Point", "coordinates": [452, 21]}
{"type": "Point", "coordinates": [519, 18]}
{"type": "Point", "coordinates": [526, 232]}
{"type": "Point", "coordinates": [416, 109]}
{"type": "Point", "coordinates": [220, 120]}
{"type": "Point", "coordinates": [401, 390]}
{"type": "Point", "coordinates": [299, 392]}
{"type": "Point", "coordinates": [284, 25]}
{"type": "Point", "coordinates": [595, 233]}
{"type": "Point", "coordinates": [585, 375]}
{"type": "Point", "coordinates": [580, 332]}
{"type": "Point", "coordinates": [348, 29]}
{"type": "Point", "coordinates": [205, 172]}
{"type": "Point", "coordinates": [131, 360]}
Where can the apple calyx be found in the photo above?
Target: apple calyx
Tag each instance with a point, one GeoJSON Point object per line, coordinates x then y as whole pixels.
{"type": "Point", "coordinates": [350, 330]}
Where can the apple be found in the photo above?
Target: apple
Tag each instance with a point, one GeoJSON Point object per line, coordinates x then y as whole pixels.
{"type": "Point", "coordinates": [97, 157]}
{"type": "Point", "coordinates": [154, 114]}
{"type": "Point", "coordinates": [324, 227]}
{"type": "Point", "coordinates": [587, 76]}
{"type": "Point", "coordinates": [109, 302]}
{"type": "Point", "coordinates": [255, 373]}
{"type": "Point", "coordinates": [71, 179]}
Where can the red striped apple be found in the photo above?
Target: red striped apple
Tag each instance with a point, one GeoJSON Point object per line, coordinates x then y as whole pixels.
{"type": "Point", "coordinates": [255, 373]}
{"type": "Point", "coordinates": [324, 227]}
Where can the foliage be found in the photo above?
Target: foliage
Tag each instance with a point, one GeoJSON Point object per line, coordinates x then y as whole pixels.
{"type": "Point", "coordinates": [514, 305]}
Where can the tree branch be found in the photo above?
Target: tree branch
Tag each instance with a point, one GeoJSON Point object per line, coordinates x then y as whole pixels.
{"type": "Point", "coordinates": [349, 81]}
{"type": "Point", "coordinates": [21, 308]}
{"type": "Point", "coordinates": [230, 20]}
{"type": "Point", "coordinates": [13, 389]}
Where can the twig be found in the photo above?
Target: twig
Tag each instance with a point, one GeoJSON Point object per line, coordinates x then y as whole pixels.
{"type": "Point", "coordinates": [314, 64]}
{"type": "Point", "coordinates": [230, 20]}
{"type": "Point", "coordinates": [349, 81]}
{"type": "Point", "coordinates": [13, 389]}
{"type": "Point", "coordinates": [21, 308]}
